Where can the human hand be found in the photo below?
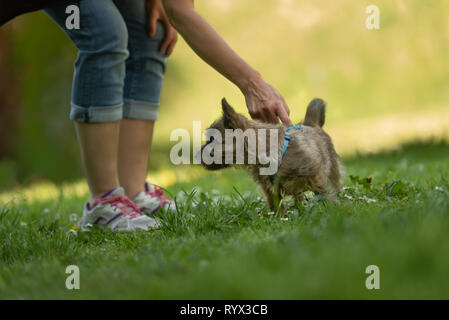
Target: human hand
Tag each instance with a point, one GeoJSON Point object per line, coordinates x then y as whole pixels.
{"type": "Point", "coordinates": [265, 103]}
{"type": "Point", "coordinates": [157, 13]}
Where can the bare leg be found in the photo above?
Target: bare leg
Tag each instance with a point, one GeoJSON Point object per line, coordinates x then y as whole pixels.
{"type": "Point", "coordinates": [99, 149]}
{"type": "Point", "coordinates": [134, 149]}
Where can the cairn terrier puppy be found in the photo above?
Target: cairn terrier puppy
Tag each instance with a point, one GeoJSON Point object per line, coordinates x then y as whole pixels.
{"type": "Point", "coordinates": [307, 162]}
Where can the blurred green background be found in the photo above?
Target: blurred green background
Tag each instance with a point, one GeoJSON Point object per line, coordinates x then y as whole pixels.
{"type": "Point", "coordinates": [383, 87]}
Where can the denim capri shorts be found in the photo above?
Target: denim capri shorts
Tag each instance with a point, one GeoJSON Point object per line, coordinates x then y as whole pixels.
{"type": "Point", "coordinates": [119, 69]}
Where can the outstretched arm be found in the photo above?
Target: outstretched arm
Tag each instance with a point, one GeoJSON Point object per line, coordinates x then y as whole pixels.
{"type": "Point", "coordinates": [263, 101]}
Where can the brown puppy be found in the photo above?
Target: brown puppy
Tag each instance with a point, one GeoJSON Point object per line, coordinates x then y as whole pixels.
{"type": "Point", "coordinates": [309, 163]}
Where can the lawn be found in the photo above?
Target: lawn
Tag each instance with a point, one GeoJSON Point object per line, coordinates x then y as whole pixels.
{"type": "Point", "coordinates": [222, 243]}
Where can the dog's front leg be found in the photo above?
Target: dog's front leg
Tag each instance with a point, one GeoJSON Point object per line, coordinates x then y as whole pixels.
{"type": "Point", "coordinates": [300, 198]}
{"type": "Point", "coordinates": [269, 196]}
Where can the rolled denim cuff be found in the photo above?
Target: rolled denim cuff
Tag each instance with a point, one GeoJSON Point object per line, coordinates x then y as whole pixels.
{"type": "Point", "coordinates": [96, 114]}
{"type": "Point", "coordinates": [140, 110]}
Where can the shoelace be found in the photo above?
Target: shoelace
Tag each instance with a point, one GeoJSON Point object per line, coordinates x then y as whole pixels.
{"type": "Point", "coordinates": [159, 194]}
{"type": "Point", "coordinates": [122, 203]}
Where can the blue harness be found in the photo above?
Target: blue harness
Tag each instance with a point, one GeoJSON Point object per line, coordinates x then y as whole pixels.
{"type": "Point", "coordinates": [287, 138]}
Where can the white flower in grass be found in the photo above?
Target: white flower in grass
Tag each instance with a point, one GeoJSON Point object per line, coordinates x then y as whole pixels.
{"type": "Point", "coordinates": [348, 196]}
{"type": "Point", "coordinates": [73, 230]}
{"type": "Point", "coordinates": [284, 219]}
{"type": "Point", "coordinates": [45, 211]}
{"type": "Point", "coordinates": [288, 202]}
{"type": "Point", "coordinates": [23, 224]}
{"type": "Point", "coordinates": [438, 188]}
{"type": "Point", "coordinates": [73, 217]}
{"type": "Point", "coordinates": [368, 200]}
{"type": "Point", "coordinates": [309, 195]}
{"type": "Point", "coordinates": [271, 213]}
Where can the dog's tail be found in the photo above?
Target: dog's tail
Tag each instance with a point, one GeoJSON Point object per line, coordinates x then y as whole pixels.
{"type": "Point", "coordinates": [315, 115]}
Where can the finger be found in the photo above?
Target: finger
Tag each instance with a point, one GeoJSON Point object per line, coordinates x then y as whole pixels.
{"type": "Point", "coordinates": [257, 115]}
{"type": "Point", "coordinates": [169, 32]}
{"type": "Point", "coordinates": [255, 111]}
{"type": "Point", "coordinates": [264, 117]}
{"type": "Point", "coordinates": [287, 109]}
{"type": "Point", "coordinates": [165, 44]}
{"type": "Point", "coordinates": [271, 117]}
{"type": "Point", "coordinates": [152, 25]}
{"type": "Point", "coordinates": [271, 112]}
{"type": "Point", "coordinates": [284, 104]}
{"type": "Point", "coordinates": [264, 113]}
{"type": "Point", "coordinates": [283, 115]}
{"type": "Point", "coordinates": [172, 45]}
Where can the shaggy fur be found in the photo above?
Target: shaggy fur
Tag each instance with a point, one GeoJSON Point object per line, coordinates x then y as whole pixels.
{"type": "Point", "coordinates": [310, 162]}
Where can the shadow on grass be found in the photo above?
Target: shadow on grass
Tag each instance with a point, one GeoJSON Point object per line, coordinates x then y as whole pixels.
{"type": "Point", "coordinates": [414, 151]}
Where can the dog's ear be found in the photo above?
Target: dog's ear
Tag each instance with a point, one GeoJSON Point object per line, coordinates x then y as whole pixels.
{"type": "Point", "coordinates": [231, 119]}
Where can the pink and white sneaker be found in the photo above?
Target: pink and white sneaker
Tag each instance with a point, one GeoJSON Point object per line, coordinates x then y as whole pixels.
{"type": "Point", "coordinates": [117, 212]}
{"type": "Point", "coordinates": [152, 199]}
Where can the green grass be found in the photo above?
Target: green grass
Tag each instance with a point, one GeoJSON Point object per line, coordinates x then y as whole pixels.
{"type": "Point", "coordinates": [222, 243]}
